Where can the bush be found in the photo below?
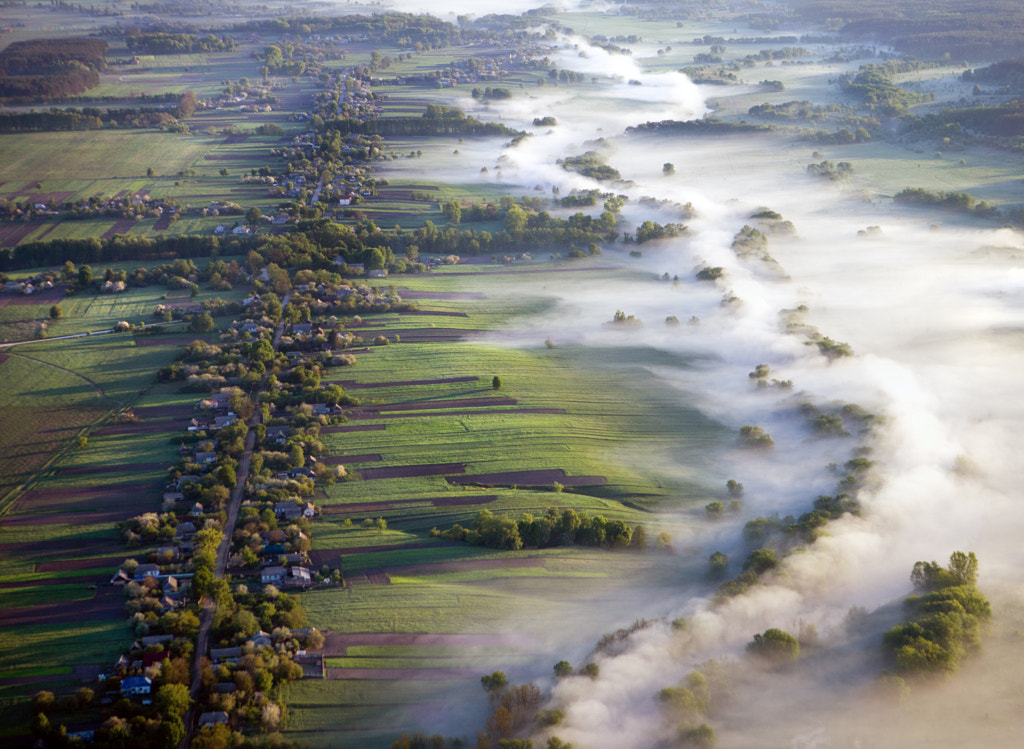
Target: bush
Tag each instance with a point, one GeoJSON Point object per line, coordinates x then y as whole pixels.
{"type": "Point", "coordinates": [775, 646]}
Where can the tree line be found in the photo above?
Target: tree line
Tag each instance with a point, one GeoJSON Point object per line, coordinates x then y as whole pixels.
{"type": "Point", "coordinates": [437, 120]}
{"type": "Point", "coordinates": [551, 529]}
{"type": "Point", "coordinates": [159, 43]}
{"type": "Point", "coordinates": [96, 118]}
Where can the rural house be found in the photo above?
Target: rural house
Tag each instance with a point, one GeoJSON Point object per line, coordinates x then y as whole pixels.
{"type": "Point", "coordinates": [273, 575]}
{"type": "Point", "coordinates": [136, 685]}
{"type": "Point", "coordinates": [146, 570]}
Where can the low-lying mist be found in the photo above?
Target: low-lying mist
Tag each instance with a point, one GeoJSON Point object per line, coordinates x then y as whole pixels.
{"type": "Point", "coordinates": [933, 314]}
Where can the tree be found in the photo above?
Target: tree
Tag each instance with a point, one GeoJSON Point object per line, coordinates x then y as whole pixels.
{"type": "Point", "coordinates": [452, 211]}
{"type": "Point", "coordinates": [668, 169]}
{"type": "Point", "coordinates": [493, 683]}
{"type": "Point", "coordinates": [298, 457]}
{"type": "Point", "coordinates": [171, 732]}
{"type": "Point", "coordinates": [373, 258]}
{"type": "Point", "coordinates": [85, 276]}
{"type": "Point", "coordinates": [760, 561]}
{"type": "Point", "coordinates": [84, 696]}
{"type": "Point", "coordinates": [42, 701]}
{"type": "Point", "coordinates": [563, 669]}
{"type": "Point", "coordinates": [963, 568]}
{"type": "Point", "coordinates": [201, 323]}
{"type": "Point", "coordinates": [775, 646]}
{"type": "Point", "coordinates": [150, 172]}
{"type": "Point", "coordinates": [272, 57]}
{"type": "Point", "coordinates": [40, 725]}
{"type": "Point", "coordinates": [496, 383]}
{"type": "Point", "coordinates": [173, 700]}
{"type": "Point", "coordinates": [639, 539]}
{"type": "Point", "coordinates": [252, 217]}
{"type": "Point", "coordinates": [718, 563]}
{"type": "Point", "coordinates": [515, 220]}
{"type": "Point", "coordinates": [212, 737]}
{"type": "Point", "coordinates": [56, 312]}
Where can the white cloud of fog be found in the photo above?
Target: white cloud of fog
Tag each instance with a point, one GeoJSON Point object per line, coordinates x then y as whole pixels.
{"type": "Point", "coordinates": [935, 323]}
{"type": "Point", "coordinates": [935, 318]}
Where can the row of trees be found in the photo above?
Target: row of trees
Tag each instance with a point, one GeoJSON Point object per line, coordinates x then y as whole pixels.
{"type": "Point", "coordinates": [159, 43]}
{"type": "Point", "coordinates": [568, 529]}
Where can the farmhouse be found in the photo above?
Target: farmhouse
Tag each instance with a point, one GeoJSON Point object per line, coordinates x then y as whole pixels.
{"type": "Point", "coordinates": [261, 640]}
{"type": "Point", "coordinates": [287, 510]}
{"type": "Point", "coordinates": [273, 575]}
{"type": "Point", "coordinates": [136, 685]}
{"type": "Point", "coordinates": [146, 570]}
{"type": "Point", "coordinates": [299, 577]}
{"type": "Point", "coordinates": [155, 640]}
{"type": "Point", "coordinates": [120, 578]}
{"type": "Point", "coordinates": [213, 718]}
{"type": "Point", "coordinates": [218, 655]}
{"type": "Point", "coordinates": [184, 530]}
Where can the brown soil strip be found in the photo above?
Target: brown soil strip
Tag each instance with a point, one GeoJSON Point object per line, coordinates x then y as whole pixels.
{"type": "Point", "coordinates": [405, 472]}
{"type": "Point", "coordinates": [52, 550]}
{"type": "Point", "coordinates": [48, 296]}
{"type": "Point", "coordinates": [164, 412]}
{"type": "Point", "coordinates": [424, 335]}
{"type": "Point", "coordinates": [529, 478]}
{"type": "Point", "coordinates": [167, 340]}
{"type": "Point", "coordinates": [163, 223]}
{"type": "Point", "coordinates": [119, 468]}
{"type": "Point", "coordinates": [60, 518]}
{"type": "Point", "coordinates": [439, 404]}
{"type": "Point", "coordinates": [121, 227]}
{"type": "Point", "coordinates": [349, 385]}
{"type": "Point", "coordinates": [232, 139]}
{"type": "Point", "coordinates": [61, 496]}
{"type": "Point", "coordinates": [57, 197]}
{"type": "Point", "coordinates": [18, 233]}
{"type": "Point", "coordinates": [69, 565]}
{"type": "Point", "coordinates": [107, 604]}
{"type": "Point", "coordinates": [376, 577]}
{"type": "Point", "coordinates": [334, 460]}
{"type": "Point", "coordinates": [353, 428]}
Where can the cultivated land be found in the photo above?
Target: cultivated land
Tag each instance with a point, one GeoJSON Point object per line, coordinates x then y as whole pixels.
{"type": "Point", "coordinates": [432, 442]}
